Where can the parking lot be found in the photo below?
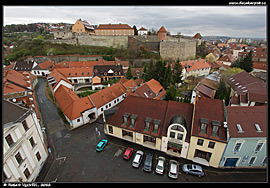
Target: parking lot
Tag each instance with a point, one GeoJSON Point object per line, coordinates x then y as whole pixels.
{"type": "Point", "coordinates": [74, 157]}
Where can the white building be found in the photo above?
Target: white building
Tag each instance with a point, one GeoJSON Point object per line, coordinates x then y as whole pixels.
{"type": "Point", "coordinates": [142, 31]}
{"type": "Point", "coordinates": [24, 147]}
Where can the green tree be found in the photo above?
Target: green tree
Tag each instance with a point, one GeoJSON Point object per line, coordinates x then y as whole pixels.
{"type": "Point", "coordinates": [222, 91]}
{"type": "Point", "coordinates": [177, 76]}
{"type": "Point", "coordinates": [129, 73]}
{"type": "Point", "coordinates": [150, 71]}
{"type": "Point", "coordinates": [135, 30]}
{"type": "Point", "coordinates": [168, 77]}
{"type": "Point", "coordinates": [171, 94]}
{"type": "Point", "coordinates": [159, 72]}
{"type": "Point", "coordinates": [247, 63]}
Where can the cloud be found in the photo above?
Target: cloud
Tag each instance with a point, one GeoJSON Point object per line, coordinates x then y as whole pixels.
{"type": "Point", "coordinates": [213, 20]}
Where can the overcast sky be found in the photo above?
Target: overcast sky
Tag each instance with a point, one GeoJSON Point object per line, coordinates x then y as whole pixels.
{"type": "Point", "coordinates": [234, 21]}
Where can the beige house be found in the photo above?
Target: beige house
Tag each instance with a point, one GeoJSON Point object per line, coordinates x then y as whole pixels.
{"type": "Point", "coordinates": [82, 26]}
{"type": "Point", "coordinates": [209, 132]}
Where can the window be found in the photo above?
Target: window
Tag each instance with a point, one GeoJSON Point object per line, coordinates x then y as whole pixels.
{"type": "Point", "coordinates": [125, 117]}
{"type": "Point", "coordinates": [25, 126]}
{"type": "Point", "coordinates": [172, 134]}
{"type": "Point", "coordinates": [18, 158]}
{"type": "Point", "coordinates": [252, 160]}
{"type": "Point", "coordinates": [200, 142]}
{"type": "Point", "coordinates": [38, 156]}
{"type": "Point", "coordinates": [240, 130]}
{"type": "Point", "coordinates": [258, 128]}
{"type": "Point", "coordinates": [78, 120]}
{"type": "Point", "coordinates": [133, 120]}
{"type": "Point", "coordinates": [238, 146]}
{"type": "Point", "coordinates": [26, 173]}
{"type": "Point", "coordinates": [32, 142]}
{"type": "Point", "coordinates": [180, 136]}
{"type": "Point", "coordinates": [259, 146]}
{"type": "Point", "coordinates": [110, 129]}
{"type": "Point", "coordinates": [147, 124]}
{"type": "Point", "coordinates": [9, 140]}
{"type": "Point", "coordinates": [156, 123]}
{"type": "Point", "coordinates": [211, 145]}
{"type": "Point", "coordinates": [215, 131]}
{"type": "Point", "coordinates": [203, 129]}
{"type": "Point", "coordinates": [264, 161]}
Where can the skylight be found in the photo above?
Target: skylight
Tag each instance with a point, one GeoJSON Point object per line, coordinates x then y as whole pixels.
{"type": "Point", "coordinates": [258, 128]}
{"type": "Point", "coordinates": [240, 130]}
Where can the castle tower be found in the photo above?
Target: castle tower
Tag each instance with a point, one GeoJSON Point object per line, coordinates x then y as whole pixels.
{"type": "Point", "coordinates": [162, 34]}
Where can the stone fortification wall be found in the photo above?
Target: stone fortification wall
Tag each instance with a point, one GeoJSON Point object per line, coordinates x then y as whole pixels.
{"type": "Point", "coordinates": [114, 41]}
{"type": "Point", "coordinates": [177, 50]}
{"type": "Point", "coordinates": [150, 42]}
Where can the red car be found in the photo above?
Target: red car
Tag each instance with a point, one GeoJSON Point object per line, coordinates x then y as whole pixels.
{"type": "Point", "coordinates": [128, 153]}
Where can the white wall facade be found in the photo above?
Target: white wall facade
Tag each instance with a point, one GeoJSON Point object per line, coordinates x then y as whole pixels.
{"type": "Point", "coordinates": [33, 154]}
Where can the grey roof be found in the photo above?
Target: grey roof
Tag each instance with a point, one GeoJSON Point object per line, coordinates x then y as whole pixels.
{"type": "Point", "coordinates": [13, 113]}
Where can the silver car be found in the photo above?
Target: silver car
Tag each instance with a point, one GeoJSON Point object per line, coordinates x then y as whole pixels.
{"type": "Point", "coordinates": [193, 169]}
{"type": "Point", "coordinates": [160, 165]}
{"type": "Point", "coordinates": [173, 169]}
{"type": "Point", "coordinates": [137, 159]}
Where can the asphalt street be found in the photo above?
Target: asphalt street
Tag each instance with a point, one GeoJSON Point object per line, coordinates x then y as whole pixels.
{"type": "Point", "coordinates": [74, 158]}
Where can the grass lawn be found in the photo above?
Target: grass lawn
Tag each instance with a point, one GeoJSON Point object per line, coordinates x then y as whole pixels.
{"type": "Point", "coordinates": [84, 94]}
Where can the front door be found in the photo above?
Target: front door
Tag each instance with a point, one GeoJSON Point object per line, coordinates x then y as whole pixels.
{"type": "Point", "coordinates": [230, 162]}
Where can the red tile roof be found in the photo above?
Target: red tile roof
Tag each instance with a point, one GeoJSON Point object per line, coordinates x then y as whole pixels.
{"type": "Point", "coordinates": [162, 29]}
{"type": "Point", "coordinates": [199, 64]}
{"type": "Point", "coordinates": [71, 105]}
{"type": "Point", "coordinates": [113, 26]}
{"type": "Point", "coordinates": [210, 109]}
{"type": "Point", "coordinates": [247, 117]}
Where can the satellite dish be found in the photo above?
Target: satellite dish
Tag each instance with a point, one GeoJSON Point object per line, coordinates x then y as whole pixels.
{"type": "Point", "coordinates": [225, 124]}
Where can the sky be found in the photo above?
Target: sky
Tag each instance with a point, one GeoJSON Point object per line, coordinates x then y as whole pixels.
{"type": "Point", "coordinates": [233, 21]}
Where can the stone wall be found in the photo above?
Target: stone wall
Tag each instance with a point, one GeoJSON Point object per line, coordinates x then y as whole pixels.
{"type": "Point", "coordinates": [177, 50]}
{"type": "Point", "coordinates": [114, 41]}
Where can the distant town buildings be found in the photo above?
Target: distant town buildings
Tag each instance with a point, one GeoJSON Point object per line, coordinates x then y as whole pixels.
{"type": "Point", "coordinates": [114, 29]}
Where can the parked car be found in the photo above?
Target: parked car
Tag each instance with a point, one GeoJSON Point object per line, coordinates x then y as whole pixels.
{"type": "Point", "coordinates": [137, 159]}
{"type": "Point", "coordinates": [160, 165]}
{"type": "Point", "coordinates": [173, 169]}
{"type": "Point", "coordinates": [193, 169]}
{"type": "Point", "coordinates": [148, 162]}
{"type": "Point", "coordinates": [101, 145]}
{"type": "Point", "coordinates": [128, 153]}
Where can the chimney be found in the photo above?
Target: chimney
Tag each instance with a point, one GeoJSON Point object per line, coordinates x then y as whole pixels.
{"type": "Point", "coordinates": [193, 62]}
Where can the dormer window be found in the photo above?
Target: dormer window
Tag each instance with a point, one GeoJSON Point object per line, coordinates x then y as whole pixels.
{"type": "Point", "coordinates": [147, 124]}
{"type": "Point", "coordinates": [125, 118]}
{"type": "Point", "coordinates": [216, 125]}
{"type": "Point", "coordinates": [203, 128]}
{"type": "Point", "coordinates": [156, 123]}
{"type": "Point", "coordinates": [258, 128]}
{"type": "Point", "coordinates": [133, 118]}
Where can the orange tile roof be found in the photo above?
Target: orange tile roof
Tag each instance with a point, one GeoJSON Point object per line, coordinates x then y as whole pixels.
{"type": "Point", "coordinates": [46, 64]}
{"type": "Point", "coordinates": [108, 94]}
{"type": "Point", "coordinates": [162, 29]}
{"type": "Point", "coordinates": [71, 105]}
{"type": "Point", "coordinates": [199, 64]}
{"type": "Point", "coordinates": [58, 77]}
{"type": "Point", "coordinates": [76, 72]}
{"type": "Point", "coordinates": [80, 64]}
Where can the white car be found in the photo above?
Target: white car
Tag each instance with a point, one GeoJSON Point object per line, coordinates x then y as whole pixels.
{"type": "Point", "coordinates": [160, 165]}
{"type": "Point", "coordinates": [137, 159]}
{"type": "Point", "coordinates": [173, 169]}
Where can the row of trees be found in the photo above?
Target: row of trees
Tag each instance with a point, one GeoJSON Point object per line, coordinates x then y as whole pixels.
{"type": "Point", "coordinates": [245, 63]}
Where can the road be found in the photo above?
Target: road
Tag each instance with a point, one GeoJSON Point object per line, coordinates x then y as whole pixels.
{"type": "Point", "coordinates": [75, 159]}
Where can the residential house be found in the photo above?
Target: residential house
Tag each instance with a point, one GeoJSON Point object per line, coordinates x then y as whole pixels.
{"type": "Point", "coordinates": [82, 26]}
{"type": "Point", "coordinates": [208, 135]}
{"type": "Point", "coordinates": [56, 79]}
{"type": "Point", "coordinates": [151, 89]}
{"type": "Point", "coordinates": [247, 143]}
{"type": "Point", "coordinates": [77, 111]}
{"type": "Point", "coordinates": [108, 72]}
{"type": "Point", "coordinates": [18, 87]}
{"type": "Point", "coordinates": [24, 146]}
{"type": "Point", "coordinates": [24, 66]}
{"type": "Point", "coordinates": [142, 31]}
{"type": "Point", "coordinates": [114, 29]}
{"type": "Point", "coordinates": [227, 59]}
{"type": "Point", "coordinates": [156, 124]}
{"type": "Point", "coordinates": [247, 90]}
{"type": "Point", "coordinates": [42, 69]}
{"type": "Point", "coordinates": [198, 67]}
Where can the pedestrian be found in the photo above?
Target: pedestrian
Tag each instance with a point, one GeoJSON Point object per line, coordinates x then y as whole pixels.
{"type": "Point", "coordinates": [96, 130]}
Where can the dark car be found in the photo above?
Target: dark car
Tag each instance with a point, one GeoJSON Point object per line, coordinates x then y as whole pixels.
{"type": "Point", "coordinates": [148, 162]}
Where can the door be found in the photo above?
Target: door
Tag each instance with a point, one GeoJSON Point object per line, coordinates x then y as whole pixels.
{"type": "Point", "coordinates": [230, 162]}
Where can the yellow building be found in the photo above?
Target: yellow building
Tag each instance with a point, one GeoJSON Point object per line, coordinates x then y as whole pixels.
{"type": "Point", "coordinates": [114, 29]}
{"type": "Point", "coordinates": [209, 132]}
{"type": "Point", "coordinates": [82, 26]}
